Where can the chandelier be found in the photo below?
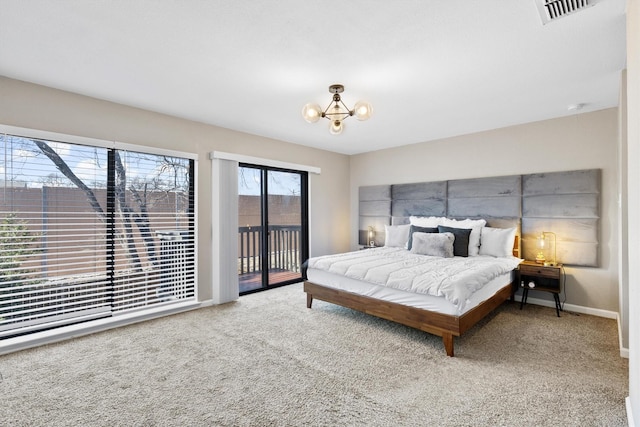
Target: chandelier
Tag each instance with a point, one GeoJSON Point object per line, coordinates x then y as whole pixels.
{"type": "Point", "coordinates": [337, 111]}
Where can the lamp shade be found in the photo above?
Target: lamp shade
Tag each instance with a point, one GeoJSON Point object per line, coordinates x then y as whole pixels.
{"type": "Point", "coordinates": [311, 112]}
{"type": "Point", "coordinates": [546, 243]}
{"type": "Point", "coordinates": [362, 110]}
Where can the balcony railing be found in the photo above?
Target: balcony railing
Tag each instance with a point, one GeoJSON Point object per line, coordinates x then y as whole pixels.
{"type": "Point", "coordinates": [284, 248]}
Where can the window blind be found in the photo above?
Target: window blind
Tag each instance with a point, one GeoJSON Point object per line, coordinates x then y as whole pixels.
{"type": "Point", "coordinates": [89, 232]}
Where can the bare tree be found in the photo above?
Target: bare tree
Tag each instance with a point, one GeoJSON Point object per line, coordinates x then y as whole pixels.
{"type": "Point", "coordinates": [62, 166]}
{"type": "Point", "coordinates": [130, 218]}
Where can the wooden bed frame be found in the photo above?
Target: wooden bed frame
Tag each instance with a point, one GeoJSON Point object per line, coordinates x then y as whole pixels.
{"type": "Point", "coordinates": [442, 325]}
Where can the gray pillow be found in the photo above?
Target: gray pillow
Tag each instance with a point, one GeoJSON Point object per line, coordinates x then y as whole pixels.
{"type": "Point", "coordinates": [433, 244]}
{"type": "Point", "coordinates": [417, 229]}
{"type": "Point", "coordinates": [461, 244]}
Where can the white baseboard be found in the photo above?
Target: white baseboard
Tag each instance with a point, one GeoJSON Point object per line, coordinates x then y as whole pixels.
{"type": "Point", "coordinates": [207, 303]}
{"type": "Point", "coordinates": [575, 308]}
{"type": "Point", "coordinates": [629, 412]}
{"type": "Point", "coordinates": [624, 352]}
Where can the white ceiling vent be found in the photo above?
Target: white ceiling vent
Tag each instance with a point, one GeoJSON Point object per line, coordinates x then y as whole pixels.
{"type": "Point", "coordinates": [550, 10]}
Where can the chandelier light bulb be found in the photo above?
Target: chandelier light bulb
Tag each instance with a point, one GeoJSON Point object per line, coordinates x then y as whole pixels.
{"type": "Point", "coordinates": [338, 113]}
{"type": "Point", "coordinates": [311, 113]}
{"type": "Point", "coordinates": [362, 110]}
{"type": "Point", "coordinates": [336, 127]}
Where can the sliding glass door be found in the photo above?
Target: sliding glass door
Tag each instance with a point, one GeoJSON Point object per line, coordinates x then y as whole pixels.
{"type": "Point", "coordinates": [272, 234]}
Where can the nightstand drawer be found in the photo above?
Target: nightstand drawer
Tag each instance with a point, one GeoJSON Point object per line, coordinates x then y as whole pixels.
{"type": "Point", "coordinates": [539, 271]}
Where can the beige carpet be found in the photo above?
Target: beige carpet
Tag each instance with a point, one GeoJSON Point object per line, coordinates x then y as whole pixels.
{"type": "Point", "coordinates": [267, 360]}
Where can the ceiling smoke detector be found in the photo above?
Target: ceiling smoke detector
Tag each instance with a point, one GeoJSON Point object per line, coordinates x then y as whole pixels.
{"type": "Point", "coordinates": [550, 10]}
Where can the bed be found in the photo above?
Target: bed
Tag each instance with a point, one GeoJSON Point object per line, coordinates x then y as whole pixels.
{"type": "Point", "coordinates": [417, 287]}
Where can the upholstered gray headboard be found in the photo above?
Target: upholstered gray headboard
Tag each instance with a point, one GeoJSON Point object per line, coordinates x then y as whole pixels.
{"type": "Point", "coordinates": [565, 203]}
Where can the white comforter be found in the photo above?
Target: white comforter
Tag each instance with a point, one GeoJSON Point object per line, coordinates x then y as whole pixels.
{"type": "Point", "coordinates": [452, 278]}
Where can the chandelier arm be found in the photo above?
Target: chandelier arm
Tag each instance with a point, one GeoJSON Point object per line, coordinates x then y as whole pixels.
{"type": "Point", "coordinates": [341, 113]}
{"type": "Point", "coordinates": [324, 113]}
{"type": "Point", "coordinates": [346, 108]}
{"type": "Point", "coordinates": [337, 116]}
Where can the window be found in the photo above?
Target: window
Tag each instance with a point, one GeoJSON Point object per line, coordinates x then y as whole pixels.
{"type": "Point", "coordinates": [90, 231]}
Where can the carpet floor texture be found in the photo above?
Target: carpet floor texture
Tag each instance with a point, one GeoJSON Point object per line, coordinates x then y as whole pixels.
{"type": "Point", "coordinates": [267, 360]}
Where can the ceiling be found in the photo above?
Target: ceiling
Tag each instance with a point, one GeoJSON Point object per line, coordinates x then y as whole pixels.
{"type": "Point", "coordinates": [430, 68]}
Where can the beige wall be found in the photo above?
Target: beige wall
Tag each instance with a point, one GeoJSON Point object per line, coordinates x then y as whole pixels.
{"type": "Point", "coordinates": [582, 141]}
{"type": "Point", "coordinates": [37, 107]}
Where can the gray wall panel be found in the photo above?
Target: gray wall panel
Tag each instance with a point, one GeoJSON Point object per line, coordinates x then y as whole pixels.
{"type": "Point", "coordinates": [419, 191]}
{"type": "Point", "coordinates": [375, 211]}
{"type": "Point", "coordinates": [569, 253]}
{"type": "Point", "coordinates": [399, 220]}
{"type": "Point", "coordinates": [429, 207]}
{"type": "Point", "coordinates": [485, 187]}
{"type": "Point", "coordinates": [377, 222]}
{"type": "Point", "coordinates": [571, 182]}
{"type": "Point", "coordinates": [375, 192]}
{"type": "Point", "coordinates": [375, 208]}
{"type": "Point", "coordinates": [566, 230]}
{"type": "Point", "coordinates": [484, 207]}
{"type": "Point", "coordinates": [567, 204]}
{"type": "Point", "coordinates": [561, 206]}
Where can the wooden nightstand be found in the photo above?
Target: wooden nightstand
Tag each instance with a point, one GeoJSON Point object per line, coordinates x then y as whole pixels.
{"type": "Point", "coordinates": [543, 278]}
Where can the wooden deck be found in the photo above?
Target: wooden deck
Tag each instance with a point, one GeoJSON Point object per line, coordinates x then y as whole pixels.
{"type": "Point", "coordinates": [252, 281]}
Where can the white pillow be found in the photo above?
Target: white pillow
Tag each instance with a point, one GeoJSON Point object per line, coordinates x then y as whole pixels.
{"type": "Point", "coordinates": [476, 229]}
{"type": "Point", "coordinates": [433, 244]}
{"type": "Point", "coordinates": [396, 236]}
{"type": "Point", "coordinates": [497, 242]}
{"type": "Point", "coordinates": [424, 221]}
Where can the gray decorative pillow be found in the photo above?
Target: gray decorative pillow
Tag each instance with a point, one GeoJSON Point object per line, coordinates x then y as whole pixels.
{"type": "Point", "coordinates": [416, 229]}
{"type": "Point", "coordinates": [461, 235]}
{"type": "Point", "coordinates": [433, 244]}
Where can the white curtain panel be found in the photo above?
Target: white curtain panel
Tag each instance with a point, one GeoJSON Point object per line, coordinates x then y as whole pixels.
{"type": "Point", "coordinates": [225, 230]}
